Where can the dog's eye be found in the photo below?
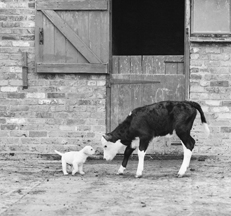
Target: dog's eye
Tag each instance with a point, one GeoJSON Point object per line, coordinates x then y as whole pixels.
{"type": "Point", "coordinates": [105, 146]}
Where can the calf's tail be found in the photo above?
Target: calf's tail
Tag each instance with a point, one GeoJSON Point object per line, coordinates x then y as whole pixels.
{"type": "Point", "coordinates": [203, 119]}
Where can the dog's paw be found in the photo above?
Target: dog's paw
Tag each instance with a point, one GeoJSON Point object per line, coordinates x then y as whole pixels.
{"type": "Point", "coordinates": [65, 173]}
{"type": "Point", "coordinates": [82, 173]}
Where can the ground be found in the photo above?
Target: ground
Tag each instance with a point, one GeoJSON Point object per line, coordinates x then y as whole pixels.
{"type": "Point", "coordinates": [31, 187]}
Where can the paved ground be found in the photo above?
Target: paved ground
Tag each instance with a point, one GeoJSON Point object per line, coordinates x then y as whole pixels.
{"type": "Point", "coordinates": [31, 188]}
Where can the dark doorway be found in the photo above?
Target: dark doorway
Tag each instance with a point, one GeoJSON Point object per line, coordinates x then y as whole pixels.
{"type": "Point", "coordinates": [148, 27]}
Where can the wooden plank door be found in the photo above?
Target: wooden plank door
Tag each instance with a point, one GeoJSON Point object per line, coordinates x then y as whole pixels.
{"type": "Point", "coordinates": [72, 36]}
{"type": "Point", "coordinates": [140, 80]}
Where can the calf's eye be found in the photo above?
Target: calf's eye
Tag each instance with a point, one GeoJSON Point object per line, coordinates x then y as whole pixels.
{"type": "Point", "coordinates": [105, 146]}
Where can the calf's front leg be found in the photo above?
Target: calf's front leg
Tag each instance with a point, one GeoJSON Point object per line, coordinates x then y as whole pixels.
{"type": "Point", "coordinates": [127, 153]}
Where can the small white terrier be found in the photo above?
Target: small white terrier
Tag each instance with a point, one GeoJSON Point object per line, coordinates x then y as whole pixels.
{"type": "Point", "coordinates": [76, 159]}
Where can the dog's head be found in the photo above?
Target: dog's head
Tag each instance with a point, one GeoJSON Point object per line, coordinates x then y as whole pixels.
{"type": "Point", "coordinates": [88, 150]}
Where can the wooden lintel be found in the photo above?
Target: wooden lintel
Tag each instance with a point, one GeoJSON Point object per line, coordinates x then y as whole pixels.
{"type": "Point", "coordinates": [71, 68]}
{"type": "Point", "coordinates": [72, 5]}
{"type": "Point", "coordinates": [119, 81]}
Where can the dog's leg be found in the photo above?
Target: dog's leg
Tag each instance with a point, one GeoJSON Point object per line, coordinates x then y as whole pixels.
{"type": "Point", "coordinates": [81, 169]}
{"type": "Point", "coordinates": [75, 168]}
{"type": "Point", "coordinates": [64, 166]}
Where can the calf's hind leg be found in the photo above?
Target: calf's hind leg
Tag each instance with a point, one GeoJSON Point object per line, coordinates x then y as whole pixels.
{"type": "Point", "coordinates": [141, 153]}
{"type": "Point", "coordinates": [188, 144]}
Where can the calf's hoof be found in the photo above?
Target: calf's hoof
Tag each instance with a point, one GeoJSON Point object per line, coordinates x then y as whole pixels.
{"type": "Point", "coordinates": [121, 170]}
{"type": "Point", "coordinates": [138, 175]}
{"type": "Point", "coordinates": [179, 175]}
{"type": "Point", "coordinates": [119, 173]}
{"type": "Point", "coordinates": [82, 173]}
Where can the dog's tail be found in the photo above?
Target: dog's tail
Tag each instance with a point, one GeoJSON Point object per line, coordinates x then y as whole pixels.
{"type": "Point", "coordinates": [59, 153]}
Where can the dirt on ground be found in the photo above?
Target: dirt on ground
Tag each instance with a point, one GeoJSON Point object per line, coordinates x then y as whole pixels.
{"type": "Point", "coordinates": [31, 188]}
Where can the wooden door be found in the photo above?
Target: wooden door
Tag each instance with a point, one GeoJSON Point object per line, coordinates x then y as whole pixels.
{"type": "Point", "coordinates": [72, 36]}
{"type": "Point", "coordinates": [140, 80]}
{"type": "Point", "coordinates": [144, 79]}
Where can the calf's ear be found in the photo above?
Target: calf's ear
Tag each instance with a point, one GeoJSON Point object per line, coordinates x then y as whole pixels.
{"type": "Point", "coordinates": [107, 137]}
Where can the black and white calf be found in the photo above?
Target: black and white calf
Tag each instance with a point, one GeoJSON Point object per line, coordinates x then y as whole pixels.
{"type": "Point", "coordinates": [147, 122]}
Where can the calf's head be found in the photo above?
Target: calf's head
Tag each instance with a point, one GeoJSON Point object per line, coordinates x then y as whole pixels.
{"type": "Point", "coordinates": [110, 149]}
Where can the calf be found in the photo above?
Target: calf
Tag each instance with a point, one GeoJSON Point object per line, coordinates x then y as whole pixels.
{"type": "Point", "coordinates": [145, 123]}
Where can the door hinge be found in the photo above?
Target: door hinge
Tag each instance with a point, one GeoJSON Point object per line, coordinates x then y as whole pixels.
{"type": "Point", "coordinates": [40, 36]}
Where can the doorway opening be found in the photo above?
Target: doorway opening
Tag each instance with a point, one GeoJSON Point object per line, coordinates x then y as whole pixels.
{"type": "Point", "coordinates": [148, 27]}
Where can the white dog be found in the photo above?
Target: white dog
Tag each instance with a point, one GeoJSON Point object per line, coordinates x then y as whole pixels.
{"type": "Point", "coordinates": [76, 159]}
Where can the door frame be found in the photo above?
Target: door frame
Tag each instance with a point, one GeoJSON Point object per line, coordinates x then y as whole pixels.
{"type": "Point", "coordinates": [187, 47]}
{"type": "Point", "coordinates": [186, 59]}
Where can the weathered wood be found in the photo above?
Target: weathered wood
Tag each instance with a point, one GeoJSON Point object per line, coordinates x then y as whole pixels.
{"type": "Point", "coordinates": [60, 45]}
{"type": "Point", "coordinates": [71, 68]}
{"type": "Point", "coordinates": [171, 68]}
{"type": "Point", "coordinates": [120, 81]}
{"type": "Point", "coordinates": [49, 41]}
{"type": "Point", "coordinates": [138, 81]}
{"type": "Point", "coordinates": [180, 68]}
{"type": "Point", "coordinates": [75, 35]}
{"type": "Point", "coordinates": [72, 5]}
{"type": "Point", "coordinates": [24, 70]}
{"type": "Point", "coordinates": [158, 64]}
{"type": "Point", "coordinates": [94, 32]}
{"type": "Point", "coordinates": [175, 59]}
{"type": "Point", "coordinates": [187, 47]}
{"type": "Point", "coordinates": [124, 65]}
{"type": "Point", "coordinates": [78, 21]}
{"type": "Point", "coordinates": [72, 36]}
{"type": "Point", "coordinates": [136, 64]}
{"type": "Point", "coordinates": [104, 36]}
{"type": "Point", "coordinates": [38, 47]}
{"type": "Point", "coordinates": [115, 64]}
{"type": "Point", "coordinates": [147, 64]}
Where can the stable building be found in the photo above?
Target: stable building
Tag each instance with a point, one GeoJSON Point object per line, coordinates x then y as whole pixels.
{"type": "Point", "coordinates": [73, 69]}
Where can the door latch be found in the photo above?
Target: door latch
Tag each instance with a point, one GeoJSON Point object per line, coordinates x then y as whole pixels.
{"type": "Point", "coordinates": [40, 36]}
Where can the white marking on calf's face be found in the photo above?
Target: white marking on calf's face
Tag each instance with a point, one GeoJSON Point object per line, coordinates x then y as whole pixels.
{"type": "Point", "coordinates": [110, 149]}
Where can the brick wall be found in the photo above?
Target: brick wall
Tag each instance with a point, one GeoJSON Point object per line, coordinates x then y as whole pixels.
{"type": "Point", "coordinates": [56, 111]}
{"type": "Point", "coordinates": [68, 111]}
{"type": "Point", "coordinates": [210, 79]}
